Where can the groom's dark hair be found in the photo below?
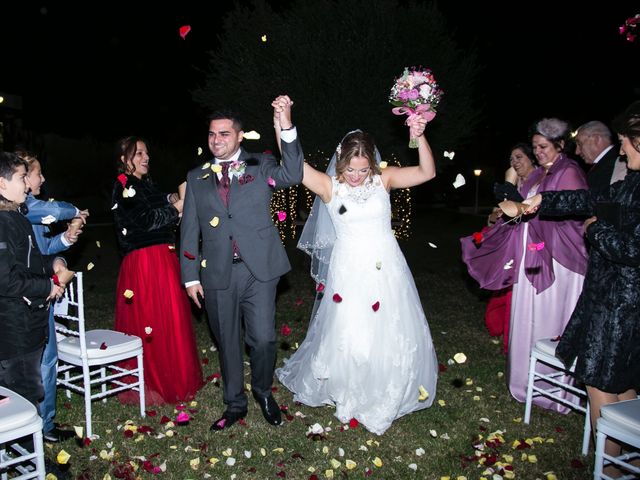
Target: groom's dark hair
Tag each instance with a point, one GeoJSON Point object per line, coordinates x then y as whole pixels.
{"type": "Point", "coordinates": [226, 115]}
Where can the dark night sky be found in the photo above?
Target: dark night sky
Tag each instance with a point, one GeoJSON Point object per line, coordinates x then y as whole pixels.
{"type": "Point", "coordinates": [106, 71]}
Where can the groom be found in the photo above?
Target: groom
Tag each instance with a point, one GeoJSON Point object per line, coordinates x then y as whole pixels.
{"type": "Point", "coordinates": [232, 256]}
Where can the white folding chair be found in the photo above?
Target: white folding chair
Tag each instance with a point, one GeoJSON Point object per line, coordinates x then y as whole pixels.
{"type": "Point", "coordinates": [19, 419]}
{"type": "Point", "coordinates": [88, 358]}
{"type": "Point", "coordinates": [544, 352]}
{"type": "Point", "coordinates": [618, 421]}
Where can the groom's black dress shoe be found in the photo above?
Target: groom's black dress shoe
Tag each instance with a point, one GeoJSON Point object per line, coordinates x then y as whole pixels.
{"type": "Point", "coordinates": [227, 419]}
{"type": "Point", "coordinates": [270, 409]}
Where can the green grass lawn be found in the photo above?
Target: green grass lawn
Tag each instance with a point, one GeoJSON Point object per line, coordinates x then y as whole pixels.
{"type": "Point", "coordinates": [473, 422]}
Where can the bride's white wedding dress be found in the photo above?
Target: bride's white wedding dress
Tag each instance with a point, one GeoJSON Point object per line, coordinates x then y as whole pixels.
{"type": "Point", "coordinates": [368, 349]}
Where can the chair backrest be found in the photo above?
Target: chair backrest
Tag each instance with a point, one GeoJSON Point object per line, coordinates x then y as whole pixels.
{"type": "Point", "coordinates": [70, 308]}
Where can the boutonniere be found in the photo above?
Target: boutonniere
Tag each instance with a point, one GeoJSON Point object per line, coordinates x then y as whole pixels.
{"type": "Point", "coordinates": [237, 168]}
{"type": "Point", "coordinates": [246, 179]}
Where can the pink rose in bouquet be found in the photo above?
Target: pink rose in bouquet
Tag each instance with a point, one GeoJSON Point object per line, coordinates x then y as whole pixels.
{"type": "Point", "coordinates": [415, 92]}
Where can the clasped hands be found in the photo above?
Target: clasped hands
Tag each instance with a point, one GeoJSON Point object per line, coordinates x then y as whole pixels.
{"type": "Point", "coordinates": [282, 112]}
{"type": "Point", "coordinates": [64, 276]}
{"type": "Point", "coordinates": [74, 228]}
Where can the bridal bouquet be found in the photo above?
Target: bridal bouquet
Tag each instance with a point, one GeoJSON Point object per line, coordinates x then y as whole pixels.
{"type": "Point", "coordinates": [415, 91]}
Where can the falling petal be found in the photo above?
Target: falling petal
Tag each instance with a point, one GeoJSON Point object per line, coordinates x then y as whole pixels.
{"type": "Point", "coordinates": [207, 165]}
{"type": "Point", "coordinates": [285, 331]}
{"type": "Point", "coordinates": [263, 38]}
{"type": "Point", "coordinates": [132, 192]}
{"type": "Point", "coordinates": [342, 210]}
{"type": "Point", "coordinates": [442, 403]}
{"type": "Point", "coordinates": [216, 168]}
{"type": "Point", "coordinates": [205, 176]}
{"type": "Point", "coordinates": [98, 244]}
{"type": "Point", "coordinates": [189, 255]}
{"type": "Point", "coordinates": [335, 463]}
{"type": "Point", "coordinates": [337, 298]}
{"type": "Point", "coordinates": [148, 330]}
{"type": "Point", "coordinates": [203, 263]}
{"type": "Point", "coordinates": [420, 451]}
{"type": "Point", "coordinates": [128, 294]}
{"type": "Point", "coordinates": [433, 433]}
{"type": "Point", "coordinates": [199, 151]}
{"type": "Point", "coordinates": [320, 287]}
{"type": "Point", "coordinates": [378, 265]}
{"type": "Point", "coordinates": [184, 30]}
{"type": "Point", "coordinates": [383, 164]}
{"type": "Point", "coordinates": [115, 205]}
{"type": "Point", "coordinates": [271, 182]}
{"type": "Point", "coordinates": [376, 306]}
{"type": "Point", "coordinates": [282, 216]}
{"type": "Point", "coordinates": [90, 265]}
{"type": "Point", "coordinates": [124, 231]}
{"type": "Point", "coordinates": [49, 219]}
{"type": "Point", "coordinates": [78, 430]}
{"type": "Point", "coordinates": [182, 417]}
{"type": "Point", "coordinates": [508, 265]}
{"type": "Point", "coordinates": [214, 222]}
{"type": "Point", "coordinates": [449, 155]}
{"type": "Point", "coordinates": [459, 181]}
{"type": "Point", "coordinates": [432, 245]}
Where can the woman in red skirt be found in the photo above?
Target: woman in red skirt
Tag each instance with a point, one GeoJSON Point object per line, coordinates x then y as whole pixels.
{"type": "Point", "coordinates": [150, 300]}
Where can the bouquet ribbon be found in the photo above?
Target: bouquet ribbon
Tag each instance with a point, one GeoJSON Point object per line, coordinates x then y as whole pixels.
{"type": "Point", "coordinates": [424, 110]}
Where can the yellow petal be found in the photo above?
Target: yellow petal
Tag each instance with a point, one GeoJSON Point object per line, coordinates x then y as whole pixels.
{"type": "Point", "coordinates": [205, 176]}
{"type": "Point", "coordinates": [263, 452]}
{"type": "Point", "coordinates": [442, 403]}
{"type": "Point", "coordinates": [263, 38]}
{"type": "Point", "coordinates": [278, 450]}
{"type": "Point", "coordinates": [125, 193]}
{"type": "Point", "coordinates": [350, 464]}
{"type": "Point", "coordinates": [98, 243]}
{"type": "Point", "coordinates": [90, 266]}
{"type": "Point", "coordinates": [383, 164]}
{"type": "Point", "coordinates": [377, 462]}
{"type": "Point", "coordinates": [325, 449]}
{"type": "Point", "coordinates": [199, 151]}
{"type": "Point", "coordinates": [328, 473]}
{"type": "Point", "coordinates": [50, 476]}
{"type": "Point", "coordinates": [214, 222]}
{"type": "Point", "coordinates": [128, 293]}
{"type": "Point", "coordinates": [532, 459]}
{"type": "Point", "coordinates": [206, 165]}
{"type": "Point", "coordinates": [78, 431]}
{"type": "Point", "coordinates": [203, 263]}
{"type": "Point", "coordinates": [460, 357]}
{"type": "Point", "coordinates": [216, 168]}
{"type": "Point", "coordinates": [213, 460]}
{"type": "Point", "coordinates": [63, 457]}
{"type": "Point", "coordinates": [551, 476]}
{"type": "Point", "coordinates": [335, 463]}
{"type": "Point", "coordinates": [194, 463]}
{"type": "Point", "coordinates": [423, 394]}
{"type": "Point", "coordinates": [227, 452]}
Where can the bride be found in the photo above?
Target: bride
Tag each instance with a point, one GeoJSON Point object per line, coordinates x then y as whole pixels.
{"type": "Point", "coordinates": [368, 350]}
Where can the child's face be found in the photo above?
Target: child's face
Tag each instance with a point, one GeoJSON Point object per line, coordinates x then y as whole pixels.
{"type": "Point", "coordinates": [15, 190]}
{"type": "Point", "coordinates": [35, 179]}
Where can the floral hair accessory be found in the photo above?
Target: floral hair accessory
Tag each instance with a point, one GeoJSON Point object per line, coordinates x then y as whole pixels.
{"type": "Point", "coordinates": [416, 92]}
{"type": "Point", "coordinates": [552, 128]}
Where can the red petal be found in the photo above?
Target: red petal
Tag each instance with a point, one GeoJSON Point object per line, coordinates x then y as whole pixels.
{"type": "Point", "coordinates": [285, 331]}
{"type": "Point", "coordinates": [205, 361]}
{"type": "Point", "coordinates": [337, 298]}
{"type": "Point", "coordinates": [122, 178]}
{"type": "Point", "coordinates": [320, 287]}
{"type": "Point", "coordinates": [86, 441]}
{"type": "Point", "coordinates": [190, 256]}
{"type": "Point", "coordinates": [353, 423]}
{"type": "Point", "coordinates": [164, 420]}
{"type": "Point", "coordinates": [299, 301]}
{"type": "Point", "coordinates": [151, 413]}
{"type": "Point", "coordinates": [267, 152]}
{"type": "Point", "coordinates": [477, 237]}
{"type": "Point", "coordinates": [442, 367]}
{"type": "Point", "coordinates": [281, 474]}
{"type": "Point", "coordinates": [55, 279]}
{"type": "Point", "coordinates": [103, 346]}
{"type": "Point", "coordinates": [375, 306]}
{"type": "Point", "coordinates": [184, 30]}
{"type": "Point", "coordinates": [128, 433]}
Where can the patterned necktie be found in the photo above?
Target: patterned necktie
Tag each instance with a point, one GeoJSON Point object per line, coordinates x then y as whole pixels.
{"type": "Point", "coordinates": [224, 184]}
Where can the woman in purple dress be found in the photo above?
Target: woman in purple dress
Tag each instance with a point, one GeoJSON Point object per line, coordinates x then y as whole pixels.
{"type": "Point", "coordinates": [544, 258]}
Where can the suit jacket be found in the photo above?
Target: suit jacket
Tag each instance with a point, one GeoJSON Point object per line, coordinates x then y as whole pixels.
{"type": "Point", "coordinates": [599, 175]}
{"type": "Point", "coordinates": [247, 220]}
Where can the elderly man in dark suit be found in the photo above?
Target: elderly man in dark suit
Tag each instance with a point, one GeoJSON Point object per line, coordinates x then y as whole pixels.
{"type": "Point", "coordinates": [594, 144]}
{"type": "Point", "coordinates": [232, 255]}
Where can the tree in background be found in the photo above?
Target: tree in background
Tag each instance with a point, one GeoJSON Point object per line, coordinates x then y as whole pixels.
{"type": "Point", "coordinates": [338, 60]}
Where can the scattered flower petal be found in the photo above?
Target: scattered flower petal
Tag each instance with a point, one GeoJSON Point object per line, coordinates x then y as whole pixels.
{"type": "Point", "coordinates": [48, 220]}
{"type": "Point", "coordinates": [214, 222]}
{"type": "Point", "coordinates": [459, 181]}
{"type": "Point", "coordinates": [128, 294]}
{"type": "Point", "coordinates": [508, 265]}
{"type": "Point", "coordinates": [282, 216]}
{"type": "Point", "coordinates": [90, 266]}
{"type": "Point", "coordinates": [271, 182]}
{"type": "Point", "coordinates": [460, 357]}
{"type": "Point", "coordinates": [383, 164]}
{"type": "Point", "coordinates": [148, 330]}
{"type": "Point", "coordinates": [449, 155]}
{"type": "Point", "coordinates": [203, 263]}
{"type": "Point", "coordinates": [377, 462]}
{"type": "Point", "coordinates": [189, 255]}
{"type": "Point", "coordinates": [285, 331]}
{"type": "Point", "coordinates": [184, 30]}
{"type": "Point", "coordinates": [432, 245]}
{"type": "Point", "coordinates": [423, 393]}
{"type": "Point", "coordinates": [337, 298]}
{"type": "Point", "coordinates": [376, 306]}
{"type": "Point", "coordinates": [63, 457]}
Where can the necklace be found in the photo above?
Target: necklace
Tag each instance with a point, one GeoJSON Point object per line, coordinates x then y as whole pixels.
{"type": "Point", "coordinates": [360, 193]}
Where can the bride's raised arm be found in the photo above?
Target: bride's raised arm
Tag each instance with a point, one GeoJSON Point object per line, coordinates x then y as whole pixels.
{"type": "Point", "coordinates": [404, 177]}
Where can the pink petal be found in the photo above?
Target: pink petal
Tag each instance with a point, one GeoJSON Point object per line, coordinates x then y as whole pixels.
{"type": "Point", "coordinates": [282, 216]}
{"type": "Point", "coordinates": [184, 30]}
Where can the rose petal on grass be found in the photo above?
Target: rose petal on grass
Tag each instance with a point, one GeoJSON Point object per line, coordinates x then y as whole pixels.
{"type": "Point", "coordinates": [63, 457]}
{"type": "Point", "coordinates": [377, 462]}
{"type": "Point", "coordinates": [285, 331]}
{"type": "Point", "coordinates": [460, 357]}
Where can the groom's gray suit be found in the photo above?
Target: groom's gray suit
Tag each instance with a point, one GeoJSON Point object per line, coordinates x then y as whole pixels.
{"type": "Point", "coordinates": [246, 289]}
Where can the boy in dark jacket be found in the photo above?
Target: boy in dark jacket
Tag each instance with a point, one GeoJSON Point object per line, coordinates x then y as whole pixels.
{"type": "Point", "coordinates": [26, 287]}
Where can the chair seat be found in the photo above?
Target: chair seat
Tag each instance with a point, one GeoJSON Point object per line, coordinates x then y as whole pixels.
{"type": "Point", "coordinates": [17, 412]}
{"type": "Point", "coordinates": [547, 346]}
{"type": "Point", "coordinates": [625, 415]}
{"type": "Point", "coordinates": [116, 343]}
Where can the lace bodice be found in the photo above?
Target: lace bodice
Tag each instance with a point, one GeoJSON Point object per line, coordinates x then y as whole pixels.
{"type": "Point", "coordinates": [362, 211]}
